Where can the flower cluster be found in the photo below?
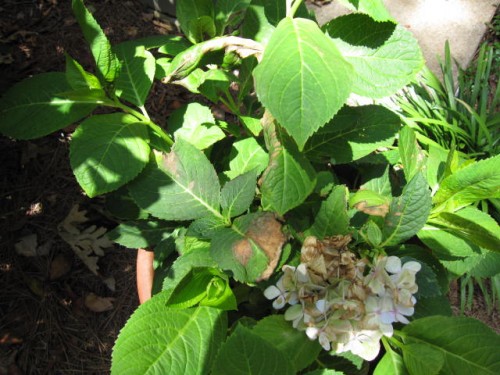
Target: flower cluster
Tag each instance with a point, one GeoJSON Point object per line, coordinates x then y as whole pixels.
{"type": "Point", "coordinates": [344, 302]}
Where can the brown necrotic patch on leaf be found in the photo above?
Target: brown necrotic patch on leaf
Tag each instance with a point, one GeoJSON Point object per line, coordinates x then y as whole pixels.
{"type": "Point", "coordinates": [266, 232]}
{"type": "Point", "coordinates": [242, 251]}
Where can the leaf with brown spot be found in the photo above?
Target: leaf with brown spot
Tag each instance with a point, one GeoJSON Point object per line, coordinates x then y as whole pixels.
{"type": "Point", "coordinates": [250, 248]}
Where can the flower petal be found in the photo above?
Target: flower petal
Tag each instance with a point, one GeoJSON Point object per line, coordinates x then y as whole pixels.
{"type": "Point", "coordinates": [272, 292]}
{"type": "Point", "coordinates": [393, 264]}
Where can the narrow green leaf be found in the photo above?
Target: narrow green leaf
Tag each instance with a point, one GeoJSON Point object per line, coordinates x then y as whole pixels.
{"type": "Point", "coordinates": [360, 30]}
{"type": "Point", "coordinates": [98, 150]}
{"type": "Point", "coordinates": [353, 133]}
{"type": "Point", "coordinates": [159, 340]}
{"type": "Point", "coordinates": [195, 124]}
{"type": "Point", "coordinates": [407, 213]}
{"type": "Point", "coordinates": [292, 343]}
{"type": "Point", "coordinates": [34, 107]}
{"type": "Point", "coordinates": [467, 345]}
{"type": "Point", "coordinates": [237, 195]}
{"type": "Point", "coordinates": [136, 73]}
{"type": "Point", "coordinates": [191, 15]}
{"type": "Point", "coordinates": [106, 62]}
{"type": "Point", "coordinates": [436, 162]}
{"type": "Point", "coordinates": [289, 178]}
{"type": "Point", "coordinates": [382, 71]}
{"type": "Point", "coordinates": [183, 185]}
{"type": "Point", "coordinates": [303, 79]}
{"type": "Point", "coordinates": [246, 155]}
{"type": "Point", "coordinates": [140, 234]}
{"type": "Point", "coordinates": [412, 157]}
{"type": "Point", "coordinates": [480, 180]}
{"type": "Point", "coordinates": [78, 78]}
{"type": "Point", "coordinates": [422, 359]}
{"type": "Point", "coordinates": [332, 218]}
{"type": "Point", "coordinates": [390, 364]}
{"type": "Point", "coordinates": [246, 353]}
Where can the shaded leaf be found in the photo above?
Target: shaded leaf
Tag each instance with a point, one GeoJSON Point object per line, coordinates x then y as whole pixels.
{"type": "Point", "coordinates": [246, 155]}
{"type": "Point", "coordinates": [421, 359]}
{"type": "Point", "coordinates": [99, 147]}
{"type": "Point", "coordinates": [412, 157]}
{"type": "Point", "coordinates": [140, 234]}
{"type": "Point", "coordinates": [332, 218]}
{"type": "Point", "coordinates": [78, 78]}
{"type": "Point", "coordinates": [353, 133]}
{"type": "Point", "coordinates": [193, 16]}
{"type": "Point", "coordinates": [237, 195]}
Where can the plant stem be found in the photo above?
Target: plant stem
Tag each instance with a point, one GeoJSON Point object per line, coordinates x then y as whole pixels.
{"type": "Point", "coordinates": [291, 7]}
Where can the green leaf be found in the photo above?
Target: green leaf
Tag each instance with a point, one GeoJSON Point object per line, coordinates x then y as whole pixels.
{"type": "Point", "coordinates": [332, 218]}
{"type": "Point", "coordinates": [289, 177]}
{"type": "Point", "coordinates": [78, 78]}
{"type": "Point", "coordinates": [374, 8]}
{"type": "Point", "coordinates": [377, 181]}
{"type": "Point", "coordinates": [256, 26]}
{"type": "Point", "coordinates": [229, 12]}
{"type": "Point", "coordinates": [183, 185]}
{"type": "Point", "coordinates": [140, 234]}
{"type": "Point", "coordinates": [250, 248]}
{"type": "Point", "coordinates": [324, 372]}
{"type": "Point", "coordinates": [35, 107]}
{"type": "Point", "coordinates": [246, 353]}
{"type": "Point", "coordinates": [390, 364]}
{"type": "Point", "coordinates": [300, 351]}
{"type": "Point", "coordinates": [173, 45]}
{"type": "Point", "coordinates": [203, 286]}
{"type": "Point", "coordinates": [237, 195]}
{"type": "Point", "coordinates": [436, 162]}
{"type": "Point", "coordinates": [205, 227]}
{"type": "Point", "coordinates": [159, 340]}
{"type": "Point", "coordinates": [302, 79]}
{"type": "Point", "coordinates": [136, 74]}
{"type": "Point", "coordinates": [106, 61]}
{"type": "Point", "coordinates": [412, 157]}
{"type": "Point", "coordinates": [431, 306]}
{"type": "Point", "coordinates": [360, 30]}
{"type": "Point", "coordinates": [421, 359]}
{"type": "Point", "coordinates": [121, 205]}
{"type": "Point", "coordinates": [246, 155]}
{"type": "Point", "coordinates": [196, 124]}
{"type": "Point", "coordinates": [193, 16]}
{"type": "Point", "coordinates": [99, 147]}
{"type": "Point", "coordinates": [370, 202]}
{"type": "Point", "coordinates": [467, 345]}
{"type": "Point", "coordinates": [480, 180]}
{"type": "Point", "coordinates": [353, 133]}
{"type": "Point", "coordinates": [382, 71]}
{"type": "Point", "coordinates": [215, 84]}
{"type": "Point", "coordinates": [407, 213]}
{"type": "Point", "coordinates": [466, 228]}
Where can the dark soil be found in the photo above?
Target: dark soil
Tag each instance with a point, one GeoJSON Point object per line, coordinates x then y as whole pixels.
{"type": "Point", "coordinates": [45, 326]}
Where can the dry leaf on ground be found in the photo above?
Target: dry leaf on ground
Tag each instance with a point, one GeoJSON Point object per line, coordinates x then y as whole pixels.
{"type": "Point", "coordinates": [98, 304]}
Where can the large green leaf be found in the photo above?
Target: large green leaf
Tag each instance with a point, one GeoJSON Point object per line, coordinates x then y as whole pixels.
{"type": "Point", "coordinates": [237, 194]}
{"type": "Point", "coordinates": [480, 180]}
{"type": "Point", "coordinates": [182, 185]}
{"type": "Point", "coordinates": [422, 359]}
{"type": "Point", "coordinates": [194, 17]}
{"type": "Point", "coordinates": [374, 8]}
{"type": "Point", "coordinates": [196, 124]}
{"type": "Point", "coordinates": [303, 79]}
{"type": "Point", "coordinates": [384, 70]}
{"type": "Point", "coordinates": [353, 133]}
{"type": "Point", "coordinates": [106, 61]}
{"type": "Point", "coordinates": [245, 353]}
{"type": "Point", "coordinates": [390, 364]}
{"type": "Point", "coordinates": [246, 155]}
{"type": "Point", "coordinates": [292, 343]}
{"type": "Point", "coordinates": [256, 26]}
{"type": "Point", "coordinates": [159, 340]}
{"type": "Point", "coordinates": [78, 78]}
{"type": "Point", "coordinates": [332, 218]}
{"type": "Point", "coordinates": [467, 345]}
{"type": "Point", "coordinates": [412, 157]}
{"type": "Point", "coordinates": [107, 151]}
{"type": "Point", "coordinates": [140, 234]}
{"type": "Point", "coordinates": [407, 213]}
{"type": "Point", "coordinates": [289, 178]}
{"type": "Point", "coordinates": [136, 73]}
{"type": "Point", "coordinates": [35, 107]}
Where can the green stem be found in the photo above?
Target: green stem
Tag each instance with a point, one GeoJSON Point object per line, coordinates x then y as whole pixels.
{"type": "Point", "coordinates": [291, 10]}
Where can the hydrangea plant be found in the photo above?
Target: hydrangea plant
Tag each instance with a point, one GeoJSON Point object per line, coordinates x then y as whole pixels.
{"type": "Point", "coordinates": [295, 194]}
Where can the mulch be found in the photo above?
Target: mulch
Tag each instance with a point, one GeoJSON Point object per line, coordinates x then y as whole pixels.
{"type": "Point", "coordinates": [45, 325]}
